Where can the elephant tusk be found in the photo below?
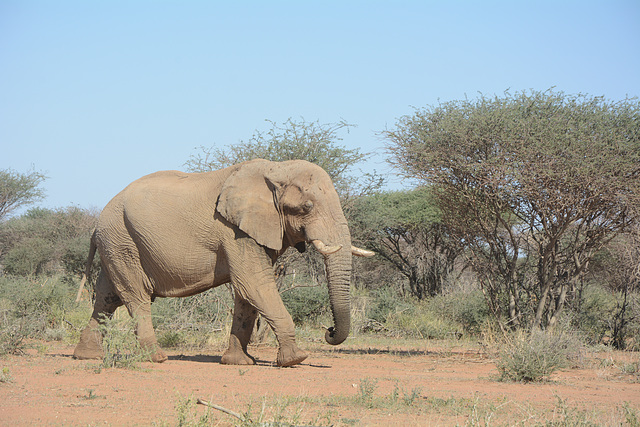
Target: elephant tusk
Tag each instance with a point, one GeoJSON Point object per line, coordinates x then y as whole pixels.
{"type": "Point", "coordinates": [324, 249]}
{"type": "Point", "coordinates": [361, 252]}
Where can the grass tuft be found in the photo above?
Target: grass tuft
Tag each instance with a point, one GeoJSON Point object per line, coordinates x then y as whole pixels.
{"type": "Point", "coordinates": [534, 356]}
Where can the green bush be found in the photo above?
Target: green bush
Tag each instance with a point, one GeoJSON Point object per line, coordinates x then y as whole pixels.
{"type": "Point", "coordinates": [421, 320]}
{"type": "Point", "coordinates": [74, 258]}
{"type": "Point", "coordinates": [594, 314]}
{"type": "Point", "coordinates": [171, 339]}
{"type": "Point", "coordinates": [36, 308]}
{"type": "Point", "coordinates": [306, 304]}
{"type": "Point", "coordinates": [28, 257]}
{"type": "Point", "coordinates": [42, 300]}
{"type": "Point", "coordinates": [121, 348]}
{"type": "Point", "coordinates": [443, 316]}
{"type": "Point", "coordinates": [192, 321]}
{"type": "Point", "coordinates": [468, 309]}
{"type": "Point", "coordinates": [38, 241]}
{"type": "Point", "coordinates": [385, 302]}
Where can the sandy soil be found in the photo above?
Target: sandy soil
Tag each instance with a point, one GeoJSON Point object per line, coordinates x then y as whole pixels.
{"type": "Point", "coordinates": [454, 386]}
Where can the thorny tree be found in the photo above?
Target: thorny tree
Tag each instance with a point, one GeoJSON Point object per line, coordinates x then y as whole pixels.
{"type": "Point", "coordinates": [532, 183]}
{"type": "Point", "coordinates": [618, 266]}
{"type": "Point", "coordinates": [18, 189]}
{"type": "Point", "coordinates": [405, 229]}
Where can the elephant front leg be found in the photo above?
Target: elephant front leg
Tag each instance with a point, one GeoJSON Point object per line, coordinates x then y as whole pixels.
{"type": "Point", "coordinates": [269, 304]}
{"type": "Point", "coordinates": [244, 319]}
{"type": "Point", "coordinates": [253, 281]}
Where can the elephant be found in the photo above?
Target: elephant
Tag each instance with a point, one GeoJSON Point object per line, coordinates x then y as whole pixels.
{"type": "Point", "coordinates": [175, 234]}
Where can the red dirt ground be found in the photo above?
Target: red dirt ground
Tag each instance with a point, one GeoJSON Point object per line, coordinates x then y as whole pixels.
{"type": "Point", "coordinates": [456, 386]}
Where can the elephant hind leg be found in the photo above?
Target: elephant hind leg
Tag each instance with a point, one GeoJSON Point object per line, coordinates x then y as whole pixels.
{"type": "Point", "coordinates": [141, 312]}
{"type": "Point", "coordinates": [107, 301]}
{"type": "Point", "coordinates": [244, 319]}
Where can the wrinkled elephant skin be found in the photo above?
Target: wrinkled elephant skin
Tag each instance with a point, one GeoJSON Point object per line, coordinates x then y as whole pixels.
{"type": "Point", "coordinates": [175, 234]}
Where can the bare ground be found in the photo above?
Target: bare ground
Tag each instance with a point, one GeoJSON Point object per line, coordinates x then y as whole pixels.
{"type": "Point", "coordinates": [408, 384]}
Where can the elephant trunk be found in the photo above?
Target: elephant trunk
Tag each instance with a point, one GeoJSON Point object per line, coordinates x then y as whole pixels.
{"type": "Point", "coordinates": [338, 267]}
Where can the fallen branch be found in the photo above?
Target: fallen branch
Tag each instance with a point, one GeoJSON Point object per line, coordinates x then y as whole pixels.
{"type": "Point", "coordinates": [220, 408]}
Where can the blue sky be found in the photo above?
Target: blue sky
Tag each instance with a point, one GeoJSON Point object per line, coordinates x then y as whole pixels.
{"type": "Point", "coordinates": [98, 93]}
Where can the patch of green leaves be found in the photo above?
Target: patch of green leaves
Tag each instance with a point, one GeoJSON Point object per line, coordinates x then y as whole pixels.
{"type": "Point", "coordinates": [121, 348]}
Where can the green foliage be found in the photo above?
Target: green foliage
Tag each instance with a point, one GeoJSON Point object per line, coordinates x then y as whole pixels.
{"type": "Point", "coordinates": [74, 258]}
{"type": "Point", "coordinates": [594, 315]}
{"type": "Point", "coordinates": [597, 317]}
{"type": "Point", "coordinates": [33, 308]}
{"type": "Point", "coordinates": [45, 241]}
{"type": "Point", "coordinates": [366, 389]}
{"type": "Point", "coordinates": [407, 398]}
{"type": "Point", "coordinates": [306, 304]}
{"type": "Point", "coordinates": [407, 209]}
{"type": "Point", "coordinates": [631, 415]}
{"type": "Point", "coordinates": [5, 375]}
{"type": "Point", "coordinates": [12, 337]}
{"type": "Point", "coordinates": [421, 322]}
{"type": "Point", "coordinates": [312, 141]}
{"type": "Point", "coordinates": [405, 230]}
{"type": "Point", "coordinates": [533, 183]}
{"type": "Point", "coordinates": [121, 348]}
{"type": "Point", "coordinates": [187, 414]}
{"type": "Point", "coordinates": [28, 257]}
{"type": "Point", "coordinates": [445, 316]}
{"type": "Point", "coordinates": [192, 321]}
{"type": "Point", "coordinates": [385, 302]}
{"type": "Point", "coordinates": [171, 339]}
{"type": "Point", "coordinates": [525, 140]}
{"type": "Point", "coordinates": [467, 309]}
{"type": "Point", "coordinates": [18, 189]}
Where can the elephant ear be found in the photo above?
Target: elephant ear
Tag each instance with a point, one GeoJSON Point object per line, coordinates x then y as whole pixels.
{"type": "Point", "coordinates": [248, 199]}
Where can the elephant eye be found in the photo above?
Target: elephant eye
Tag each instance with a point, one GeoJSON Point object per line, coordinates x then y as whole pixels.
{"type": "Point", "coordinates": [307, 206]}
{"type": "Point", "coordinates": [299, 208]}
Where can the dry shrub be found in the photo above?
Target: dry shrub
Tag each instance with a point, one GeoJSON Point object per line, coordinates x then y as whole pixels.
{"type": "Point", "coordinates": [534, 356]}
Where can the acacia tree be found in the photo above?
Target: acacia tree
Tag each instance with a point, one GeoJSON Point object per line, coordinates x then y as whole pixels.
{"type": "Point", "coordinates": [405, 229]}
{"type": "Point", "coordinates": [44, 241]}
{"type": "Point", "coordinates": [312, 141]}
{"type": "Point", "coordinates": [619, 272]}
{"type": "Point", "coordinates": [18, 189]}
{"type": "Point", "coordinates": [533, 183]}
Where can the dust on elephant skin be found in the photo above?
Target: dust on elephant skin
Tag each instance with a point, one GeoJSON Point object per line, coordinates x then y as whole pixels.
{"type": "Point", "coordinates": [175, 234]}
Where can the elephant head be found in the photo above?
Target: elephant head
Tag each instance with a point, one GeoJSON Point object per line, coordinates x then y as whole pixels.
{"type": "Point", "coordinates": [282, 204]}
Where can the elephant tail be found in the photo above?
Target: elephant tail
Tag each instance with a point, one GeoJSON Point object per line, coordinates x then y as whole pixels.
{"type": "Point", "coordinates": [87, 267]}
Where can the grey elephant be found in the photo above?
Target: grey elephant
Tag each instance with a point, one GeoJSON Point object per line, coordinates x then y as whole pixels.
{"type": "Point", "coordinates": [175, 234]}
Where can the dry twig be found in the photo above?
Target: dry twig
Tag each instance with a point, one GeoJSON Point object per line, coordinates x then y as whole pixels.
{"type": "Point", "coordinates": [220, 408]}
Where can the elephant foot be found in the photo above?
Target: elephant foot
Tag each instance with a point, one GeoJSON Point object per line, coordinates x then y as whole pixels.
{"type": "Point", "coordinates": [83, 353]}
{"type": "Point", "coordinates": [290, 356]}
{"type": "Point", "coordinates": [155, 352]}
{"type": "Point", "coordinates": [158, 356]}
{"type": "Point", "coordinates": [90, 345]}
{"type": "Point", "coordinates": [231, 357]}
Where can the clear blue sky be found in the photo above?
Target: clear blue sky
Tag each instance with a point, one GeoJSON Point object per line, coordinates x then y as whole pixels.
{"type": "Point", "coordinates": [98, 93]}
